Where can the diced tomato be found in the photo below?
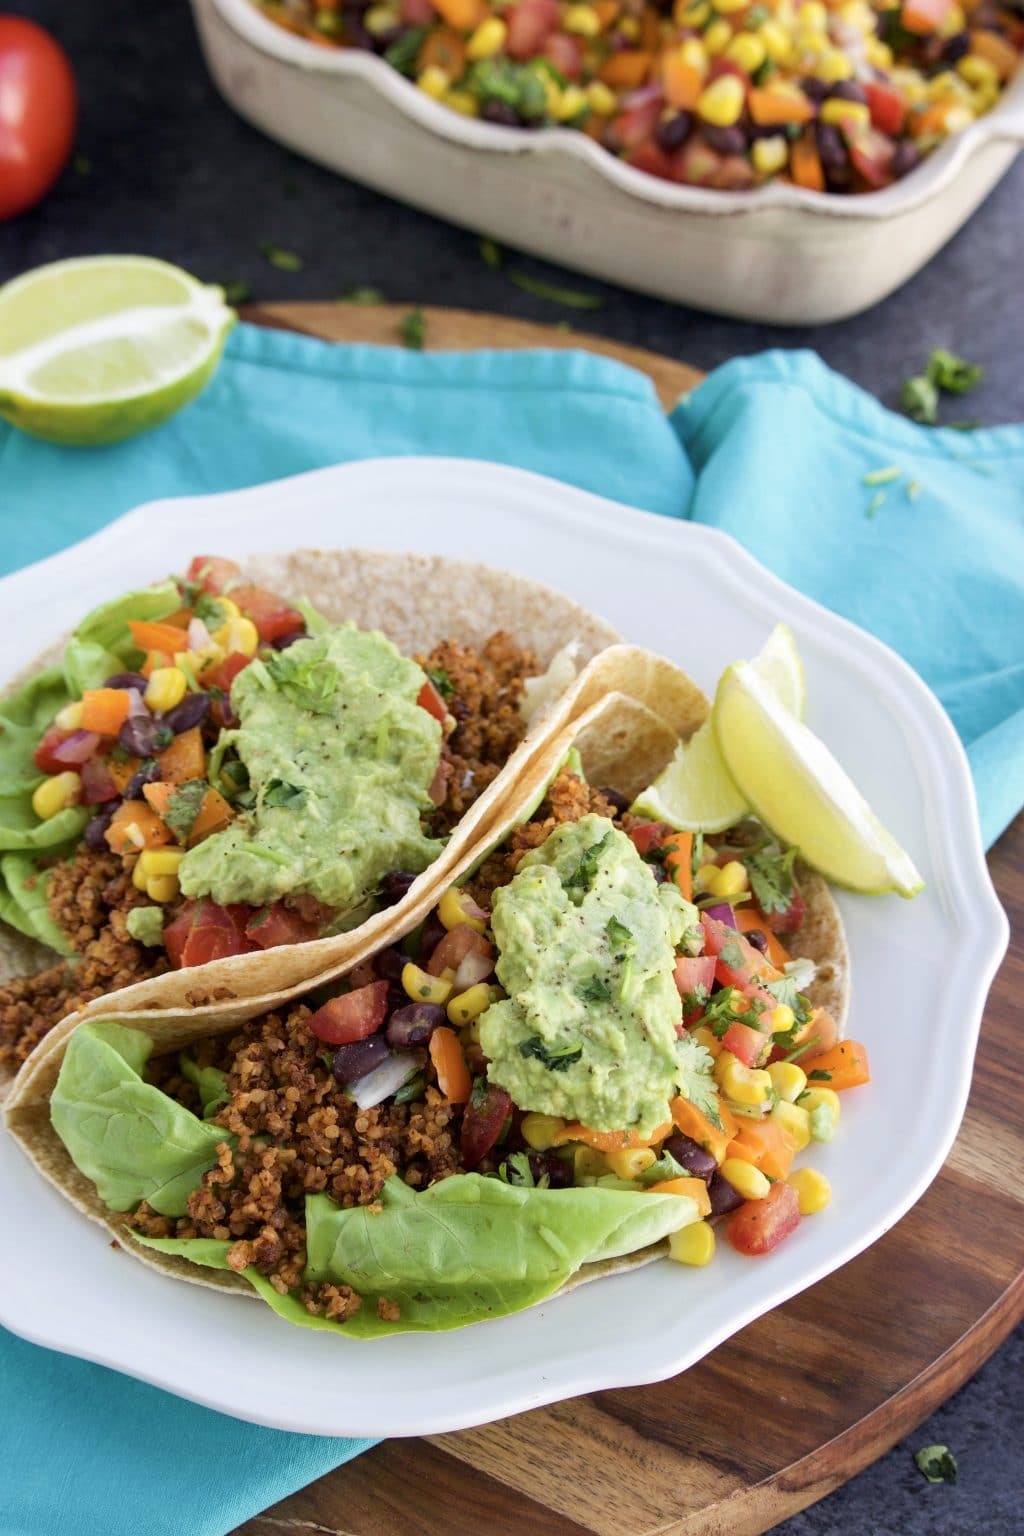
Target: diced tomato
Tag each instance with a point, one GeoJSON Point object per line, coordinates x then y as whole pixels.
{"type": "Point", "coordinates": [742, 965]}
{"type": "Point", "coordinates": [211, 573]}
{"type": "Point", "coordinates": [272, 616]}
{"type": "Point", "coordinates": [565, 53]}
{"type": "Point", "coordinates": [648, 157]}
{"type": "Point", "coordinates": [747, 1045]}
{"type": "Point", "coordinates": [694, 978]}
{"type": "Point", "coordinates": [278, 925]}
{"type": "Point", "coordinates": [632, 128]}
{"type": "Point", "coordinates": [355, 1016]}
{"type": "Point", "coordinates": [696, 164]}
{"type": "Point", "coordinates": [457, 943]}
{"type": "Point", "coordinates": [430, 699]}
{"type": "Point", "coordinates": [97, 782]}
{"type": "Point", "coordinates": [482, 1123]}
{"type": "Point", "coordinates": [43, 755]}
{"type": "Point", "coordinates": [648, 835]}
{"type": "Point", "coordinates": [227, 671]}
{"type": "Point", "coordinates": [758, 1226]}
{"type": "Point", "coordinates": [888, 106]}
{"type": "Point", "coordinates": [791, 919]}
{"type": "Point", "coordinates": [529, 24]}
{"type": "Point", "coordinates": [204, 931]}
{"type": "Point", "coordinates": [924, 16]}
{"type": "Point", "coordinates": [871, 156]}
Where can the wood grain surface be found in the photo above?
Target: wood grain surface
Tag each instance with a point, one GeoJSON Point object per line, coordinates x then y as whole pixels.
{"type": "Point", "coordinates": [835, 1377]}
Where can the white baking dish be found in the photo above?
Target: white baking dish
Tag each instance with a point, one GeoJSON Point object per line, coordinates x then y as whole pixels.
{"type": "Point", "coordinates": [779, 254]}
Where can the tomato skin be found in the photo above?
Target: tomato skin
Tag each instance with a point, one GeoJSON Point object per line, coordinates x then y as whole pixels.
{"type": "Point", "coordinates": [791, 919]}
{"type": "Point", "coordinates": [212, 573]}
{"type": "Point", "coordinates": [43, 756]}
{"type": "Point", "coordinates": [204, 931]}
{"type": "Point", "coordinates": [38, 112]}
{"type": "Point", "coordinates": [888, 107]}
{"type": "Point", "coordinates": [758, 1226]}
{"type": "Point", "coordinates": [355, 1016]}
{"type": "Point", "coordinates": [747, 1045]}
{"type": "Point", "coordinates": [482, 1123]}
{"type": "Point", "coordinates": [748, 965]}
{"type": "Point", "coordinates": [278, 925]}
{"type": "Point", "coordinates": [457, 943]}
{"type": "Point", "coordinates": [430, 699]}
{"type": "Point", "coordinates": [648, 835]}
{"type": "Point", "coordinates": [271, 614]}
{"type": "Point", "coordinates": [692, 973]}
{"type": "Point", "coordinates": [529, 24]}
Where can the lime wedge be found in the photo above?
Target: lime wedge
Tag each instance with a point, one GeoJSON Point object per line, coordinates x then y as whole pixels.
{"type": "Point", "coordinates": [795, 786]}
{"type": "Point", "coordinates": [696, 792]}
{"type": "Point", "coordinates": [99, 348]}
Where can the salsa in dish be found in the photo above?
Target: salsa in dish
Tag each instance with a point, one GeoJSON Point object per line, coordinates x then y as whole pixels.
{"type": "Point", "coordinates": [841, 97]}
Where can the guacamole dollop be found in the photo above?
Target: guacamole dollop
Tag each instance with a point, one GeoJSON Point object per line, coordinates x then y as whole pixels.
{"type": "Point", "coordinates": [340, 758]}
{"type": "Point", "coordinates": [587, 939]}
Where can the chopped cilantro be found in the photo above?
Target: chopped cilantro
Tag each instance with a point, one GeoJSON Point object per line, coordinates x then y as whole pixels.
{"type": "Point", "coordinates": [620, 937]}
{"type": "Point", "coordinates": [555, 295]}
{"type": "Point", "coordinates": [819, 1077]}
{"type": "Point", "coordinates": [413, 329]}
{"type": "Point", "coordinates": [784, 990]}
{"type": "Point", "coordinates": [413, 1088]}
{"type": "Point", "coordinates": [951, 373]}
{"type": "Point", "coordinates": [579, 882]}
{"type": "Point", "coordinates": [696, 1078]}
{"type": "Point", "coordinates": [441, 681]}
{"type": "Point", "coordinates": [363, 295]}
{"type": "Point", "coordinates": [771, 878]}
{"type": "Point", "coordinates": [555, 1058]}
{"type": "Point", "coordinates": [594, 990]}
{"type": "Point", "coordinates": [882, 476]}
{"type": "Point", "coordinates": [236, 291]}
{"type": "Point", "coordinates": [279, 257]}
{"type": "Point", "coordinates": [516, 1170]}
{"type": "Point", "coordinates": [697, 857]}
{"type": "Point", "coordinates": [694, 1001]}
{"type": "Point", "coordinates": [721, 1012]}
{"type": "Point", "coordinates": [312, 681]}
{"type": "Point", "coordinates": [183, 807]}
{"type": "Point", "coordinates": [665, 1168]}
{"type": "Point", "coordinates": [919, 397]}
{"type": "Point", "coordinates": [404, 51]}
{"type": "Point", "coordinates": [210, 609]}
{"type": "Point", "coordinates": [286, 797]}
{"type": "Point", "coordinates": [731, 954]}
{"type": "Point", "coordinates": [491, 254]}
{"type": "Point", "coordinates": [937, 1463]}
{"type": "Point", "coordinates": [478, 1095]}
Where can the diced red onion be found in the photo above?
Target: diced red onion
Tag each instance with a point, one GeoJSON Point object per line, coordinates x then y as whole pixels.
{"type": "Point", "coordinates": [97, 785]}
{"type": "Point", "coordinates": [384, 1080]}
{"type": "Point", "coordinates": [643, 96]}
{"type": "Point", "coordinates": [77, 749]}
{"type": "Point", "coordinates": [198, 635]}
{"type": "Point", "coordinates": [722, 913]}
{"type": "Point", "coordinates": [136, 706]}
{"type": "Point", "coordinates": [472, 968]}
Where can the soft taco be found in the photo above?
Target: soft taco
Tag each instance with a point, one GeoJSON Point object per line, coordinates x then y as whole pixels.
{"type": "Point", "coordinates": [550, 1069]}
{"type": "Point", "coordinates": [215, 773]}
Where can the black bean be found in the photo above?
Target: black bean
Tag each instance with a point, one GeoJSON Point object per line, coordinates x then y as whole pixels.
{"type": "Point", "coordinates": [758, 938]}
{"type": "Point", "coordinates": [414, 1024]}
{"type": "Point", "coordinates": [127, 680]}
{"type": "Point", "coordinates": [192, 711]}
{"type": "Point", "coordinates": [725, 141]}
{"type": "Point", "coordinates": [93, 834]}
{"type": "Point", "coordinates": [814, 90]}
{"type": "Point", "coordinates": [956, 47]}
{"type": "Point", "coordinates": [905, 157]}
{"type": "Point", "coordinates": [848, 90]}
{"type": "Point", "coordinates": [148, 773]}
{"type": "Point", "coordinates": [670, 134]}
{"type": "Point", "coordinates": [389, 964]}
{"type": "Point", "coordinates": [393, 886]}
{"type": "Point", "coordinates": [433, 932]}
{"type": "Point", "coordinates": [722, 1195]}
{"type": "Point", "coordinates": [500, 112]}
{"type": "Point", "coordinates": [558, 1170]}
{"type": "Point", "coordinates": [690, 1155]}
{"type": "Point", "coordinates": [143, 736]}
{"type": "Point", "coordinates": [284, 641]}
{"type": "Point", "coordinates": [620, 802]}
{"type": "Point", "coordinates": [833, 152]}
{"type": "Point", "coordinates": [353, 1061]}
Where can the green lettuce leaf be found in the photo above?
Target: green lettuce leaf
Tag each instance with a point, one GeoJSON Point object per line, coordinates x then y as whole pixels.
{"type": "Point", "coordinates": [23, 901]}
{"type": "Point", "coordinates": [128, 1137]}
{"type": "Point", "coordinates": [102, 643]}
{"type": "Point", "coordinates": [464, 1250]}
{"type": "Point", "coordinates": [210, 1082]}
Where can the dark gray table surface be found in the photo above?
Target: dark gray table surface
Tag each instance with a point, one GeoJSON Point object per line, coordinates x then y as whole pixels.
{"type": "Point", "coordinates": [175, 174]}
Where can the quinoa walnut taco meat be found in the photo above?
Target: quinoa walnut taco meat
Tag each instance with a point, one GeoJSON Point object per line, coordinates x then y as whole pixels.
{"type": "Point", "coordinates": [588, 1041]}
{"type": "Point", "coordinates": [216, 772]}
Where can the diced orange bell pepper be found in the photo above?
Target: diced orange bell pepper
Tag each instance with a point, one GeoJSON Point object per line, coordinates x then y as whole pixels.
{"type": "Point", "coordinates": [683, 82]}
{"type": "Point", "coordinates": [122, 772]}
{"type": "Point", "coordinates": [924, 16]}
{"type": "Point", "coordinates": [182, 617]}
{"type": "Point", "coordinates": [156, 659]}
{"type": "Point", "coordinates": [606, 10]}
{"type": "Point", "coordinates": [689, 1119]}
{"type": "Point", "coordinates": [771, 1146]}
{"type": "Point", "coordinates": [184, 759]}
{"type": "Point", "coordinates": [846, 1065]}
{"type": "Point", "coordinates": [104, 710]}
{"type": "Point", "coordinates": [695, 1189]}
{"type": "Point", "coordinates": [679, 860]}
{"type": "Point", "coordinates": [999, 53]}
{"type": "Point", "coordinates": [771, 109]}
{"type": "Point", "coordinates": [610, 1141]}
{"type": "Point", "coordinates": [152, 636]}
{"type": "Point", "coordinates": [158, 797]}
{"type": "Point", "coordinates": [442, 49]}
{"type": "Point", "coordinates": [746, 919]}
{"type": "Point", "coordinates": [453, 1077]}
{"type": "Point", "coordinates": [463, 15]}
{"type": "Point", "coordinates": [805, 164]}
{"type": "Point", "coordinates": [135, 826]}
{"type": "Point", "coordinates": [626, 71]}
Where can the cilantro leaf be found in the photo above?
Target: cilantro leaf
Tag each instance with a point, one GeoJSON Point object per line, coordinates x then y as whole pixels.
{"type": "Point", "coordinates": [283, 260]}
{"type": "Point", "coordinates": [697, 856]}
{"type": "Point", "coordinates": [594, 990]}
{"type": "Point", "coordinates": [665, 1168]}
{"type": "Point", "coordinates": [620, 937]}
{"type": "Point", "coordinates": [721, 1011]}
{"type": "Point", "coordinates": [441, 681]}
{"type": "Point", "coordinates": [771, 878]}
{"type": "Point", "coordinates": [696, 1000]}
{"type": "Point", "coordinates": [696, 1078]}
{"type": "Point", "coordinates": [516, 1170]}
{"type": "Point", "coordinates": [572, 298]}
{"type": "Point", "coordinates": [413, 329]}
{"type": "Point", "coordinates": [818, 1076]}
{"type": "Point", "coordinates": [951, 373]}
{"type": "Point", "coordinates": [731, 954]}
{"type": "Point", "coordinates": [210, 609]}
{"type": "Point", "coordinates": [183, 807]}
{"type": "Point", "coordinates": [404, 51]}
{"type": "Point", "coordinates": [784, 990]}
{"type": "Point", "coordinates": [919, 397]}
{"type": "Point", "coordinates": [311, 680]}
{"type": "Point", "coordinates": [582, 876]}
{"type": "Point", "coordinates": [937, 1463]}
{"type": "Point", "coordinates": [555, 1058]}
{"type": "Point", "coordinates": [286, 797]}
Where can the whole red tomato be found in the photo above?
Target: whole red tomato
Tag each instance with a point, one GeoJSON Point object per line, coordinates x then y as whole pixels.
{"type": "Point", "coordinates": [38, 107]}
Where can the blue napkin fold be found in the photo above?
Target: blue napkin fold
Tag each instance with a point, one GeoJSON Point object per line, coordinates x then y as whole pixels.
{"type": "Point", "coordinates": [779, 449]}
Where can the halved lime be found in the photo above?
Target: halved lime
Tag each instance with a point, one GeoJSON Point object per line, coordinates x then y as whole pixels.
{"type": "Point", "coordinates": [796, 787]}
{"type": "Point", "coordinates": [99, 348]}
{"type": "Point", "coordinates": [696, 792]}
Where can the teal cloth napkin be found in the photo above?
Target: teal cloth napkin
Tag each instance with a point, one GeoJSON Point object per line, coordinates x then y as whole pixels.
{"type": "Point", "coordinates": [779, 448]}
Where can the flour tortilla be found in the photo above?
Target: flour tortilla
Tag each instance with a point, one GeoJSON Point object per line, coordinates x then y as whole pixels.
{"type": "Point", "coordinates": [621, 739]}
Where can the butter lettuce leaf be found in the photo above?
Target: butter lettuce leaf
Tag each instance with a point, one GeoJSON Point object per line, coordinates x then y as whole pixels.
{"type": "Point", "coordinates": [102, 644]}
{"type": "Point", "coordinates": [133, 1141]}
{"type": "Point", "coordinates": [23, 901]}
{"type": "Point", "coordinates": [464, 1250]}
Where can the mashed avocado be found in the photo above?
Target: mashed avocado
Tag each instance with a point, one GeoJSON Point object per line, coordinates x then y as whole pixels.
{"type": "Point", "coordinates": [340, 758]}
{"type": "Point", "coordinates": [586, 940]}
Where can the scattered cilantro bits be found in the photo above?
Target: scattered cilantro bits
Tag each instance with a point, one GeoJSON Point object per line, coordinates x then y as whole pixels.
{"type": "Point", "coordinates": [771, 878]}
{"type": "Point", "coordinates": [696, 1078]}
{"type": "Point", "coordinates": [944, 373]}
{"type": "Point", "coordinates": [556, 1058]}
{"type": "Point", "coordinates": [571, 298]}
{"type": "Point", "coordinates": [413, 329]}
{"type": "Point", "coordinates": [936, 1463]}
{"type": "Point", "coordinates": [280, 257]}
{"type": "Point", "coordinates": [183, 807]}
{"type": "Point", "coordinates": [362, 295]}
{"type": "Point", "coordinates": [491, 254]}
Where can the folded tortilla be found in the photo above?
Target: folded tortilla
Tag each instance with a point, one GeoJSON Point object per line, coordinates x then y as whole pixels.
{"type": "Point", "coordinates": [623, 743]}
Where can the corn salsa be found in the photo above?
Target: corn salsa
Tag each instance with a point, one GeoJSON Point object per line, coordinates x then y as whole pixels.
{"type": "Point", "coordinates": [841, 97]}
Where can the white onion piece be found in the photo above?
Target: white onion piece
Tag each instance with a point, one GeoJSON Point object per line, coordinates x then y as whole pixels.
{"type": "Point", "coordinates": [384, 1080]}
{"type": "Point", "coordinates": [472, 968]}
{"type": "Point", "coordinates": [136, 706]}
{"type": "Point", "coordinates": [802, 971]}
{"type": "Point", "coordinates": [198, 635]}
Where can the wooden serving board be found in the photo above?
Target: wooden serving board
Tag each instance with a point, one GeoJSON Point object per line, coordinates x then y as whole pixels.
{"type": "Point", "coordinates": [801, 1400]}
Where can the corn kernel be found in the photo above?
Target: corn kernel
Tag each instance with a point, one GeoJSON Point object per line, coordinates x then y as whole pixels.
{"type": "Point", "coordinates": [139, 877]}
{"type": "Point", "coordinates": [540, 1131]}
{"type": "Point", "coordinates": [718, 36]}
{"type": "Point", "coordinates": [788, 1080]}
{"type": "Point", "coordinates": [424, 988]}
{"type": "Point", "coordinates": [954, 22]}
{"type": "Point", "coordinates": [832, 66]}
{"type": "Point", "coordinates": [877, 53]}
{"type": "Point", "coordinates": [840, 112]}
{"type": "Point", "coordinates": [70, 717]}
{"type": "Point", "coordinates": [588, 1163]}
{"type": "Point", "coordinates": [691, 13]}
{"type": "Point", "coordinates": [726, 7]}
{"type": "Point", "coordinates": [813, 1190]}
{"type": "Point", "coordinates": [777, 1020]}
{"type": "Point", "coordinates": [162, 888]}
{"type": "Point", "coordinates": [452, 910]}
{"type": "Point", "coordinates": [794, 1120]}
{"type": "Point", "coordinates": [776, 40]}
{"type": "Point", "coordinates": [745, 1179]}
{"type": "Point", "coordinates": [433, 81]}
{"type": "Point", "coordinates": [583, 20]}
{"type": "Point", "coordinates": [379, 19]}
{"type": "Point", "coordinates": [241, 634]}
{"type": "Point", "coordinates": [693, 53]}
{"type": "Point", "coordinates": [693, 1245]}
{"type": "Point", "coordinates": [571, 103]}
{"type": "Point", "coordinates": [733, 879]}
{"type": "Point", "coordinates": [956, 118]}
{"type": "Point", "coordinates": [57, 794]}
{"type": "Point", "coordinates": [705, 1037]}
{"type": "Point", "coordinates": [463, 102]}
{"type": "Point", "coordinates": [855, 13]}
{"type": "Point", "coordinates": [229, 609]}
{"type": "Point", "coordinates": [704, 880]}
{"type": "Point", "coordinates": [166, 689]}
{"type": "Point", "coordinates": [601, 98]}
{"type": "Point", "coordinates": [630, 1162]}
{"type": "Point", "coordinates": [748, 51]}
{"type": "Point", "coordinates": [813, 15]}
{"type": "Point", "coordinates": [469, 1005]}
{"type": "Point", "coordinates": [488, 39]}
{"type": "Point", "coordinates": [160, 861]}
{"type": "Point", "coordinates": [748, 1086]}
{"type": "Point", "coordinates": [812, 1098]}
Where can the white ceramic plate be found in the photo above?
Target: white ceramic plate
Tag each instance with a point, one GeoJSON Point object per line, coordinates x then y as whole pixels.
{"type": "Point", "coordinates": [921, 970]}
